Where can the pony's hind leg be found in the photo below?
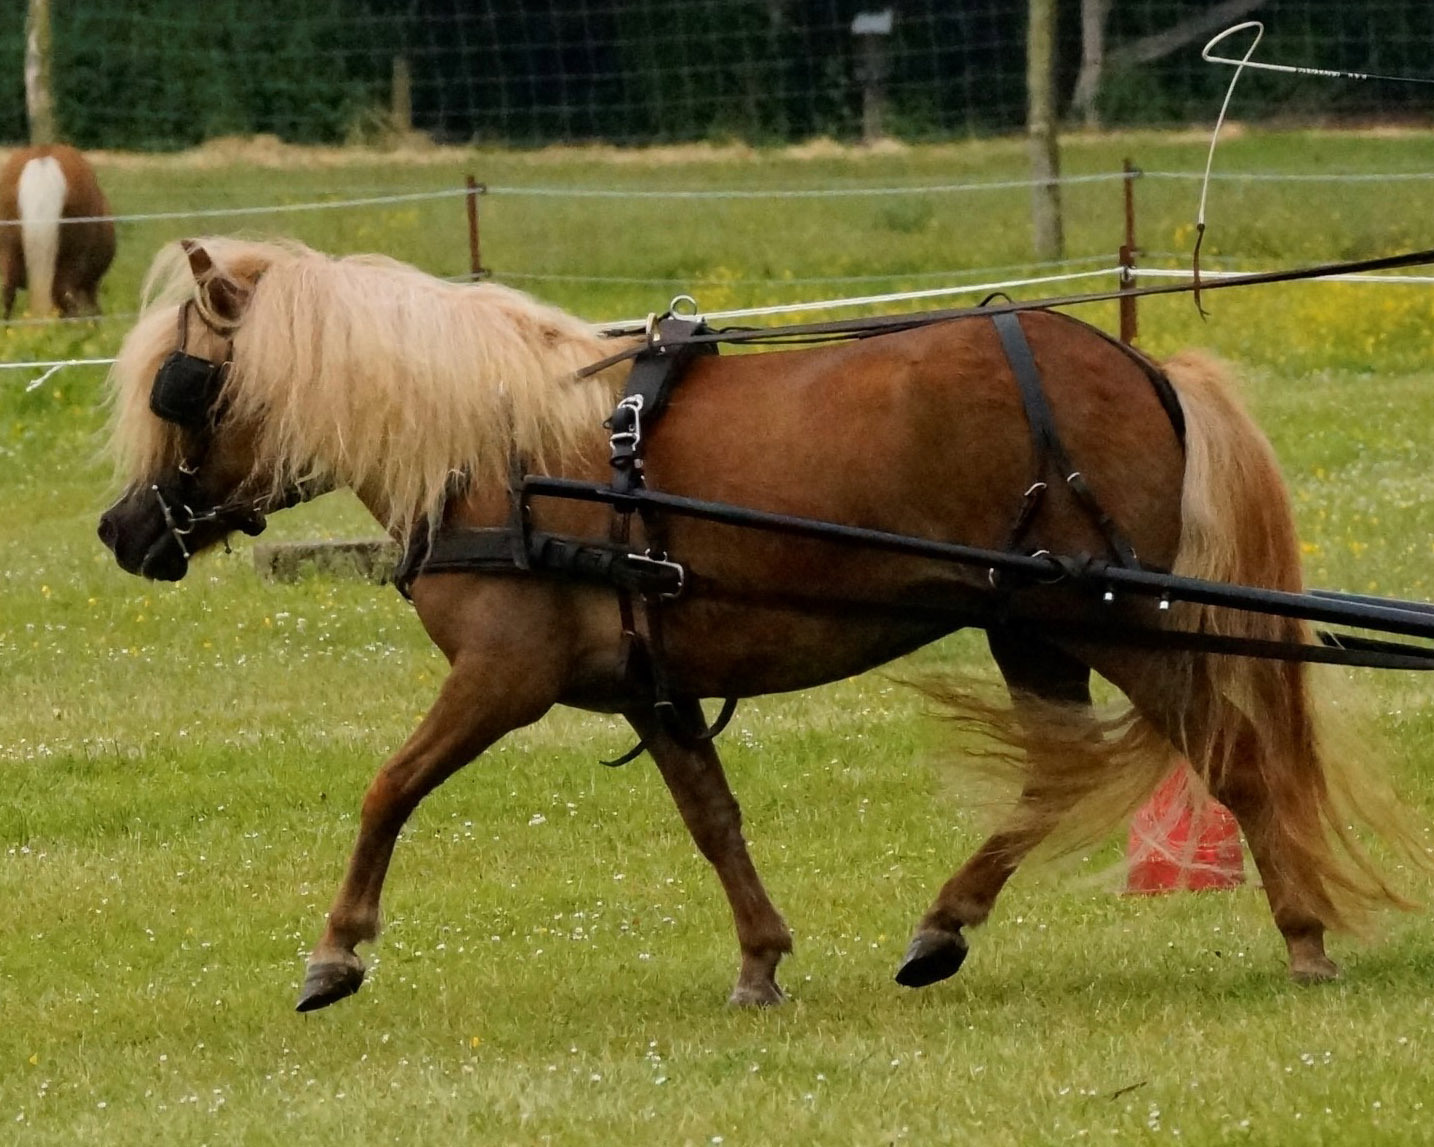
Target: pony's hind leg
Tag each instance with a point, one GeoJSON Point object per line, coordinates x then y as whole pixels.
{"type": "Point", "coordinates": [471, 712]}
{"type": "Point", "coordinates": [699, 787]}
{"type": "Point", "coordinates": [1269, 775]}
{"type": "Point", "coordinates": [1038, 676]}
{"type": "Point", "coordinates": [1274, 822]}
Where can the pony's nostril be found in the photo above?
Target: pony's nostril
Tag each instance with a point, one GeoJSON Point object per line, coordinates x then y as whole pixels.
{"type": "Point", "coordinates": [108, 531]}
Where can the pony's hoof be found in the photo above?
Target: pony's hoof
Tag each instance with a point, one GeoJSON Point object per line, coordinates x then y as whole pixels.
{"type": "Point", "coordinates": [1314, 970]}
{"type": "Point", "coordinates": [767, 995]}
{"type": "Point", "coordinates": [329, 982]}
{"type": "Point", "coordinates": [932, 956]}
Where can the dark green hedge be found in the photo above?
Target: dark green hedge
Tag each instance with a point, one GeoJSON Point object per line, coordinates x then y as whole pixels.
{"type": "Point", "coordinates": [170, 73]}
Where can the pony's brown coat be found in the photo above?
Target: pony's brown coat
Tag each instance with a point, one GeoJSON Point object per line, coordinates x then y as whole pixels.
{"type": "Point", "coordinates": [381, 378]}
{"type": "Point", "coordinates": [75, 256]}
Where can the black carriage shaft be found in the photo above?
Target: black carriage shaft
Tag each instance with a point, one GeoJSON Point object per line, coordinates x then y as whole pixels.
{"type": "Point", "coordinates": [1411, 619]}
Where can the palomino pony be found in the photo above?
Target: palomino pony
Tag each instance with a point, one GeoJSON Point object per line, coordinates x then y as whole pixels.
{"type": "Point", "coordinates": [60, 263]}
{"type": "Point", "coordinates": [274, 365]}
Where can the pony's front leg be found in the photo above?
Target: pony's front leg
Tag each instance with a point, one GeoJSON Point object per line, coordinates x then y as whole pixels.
{"type": "Point", "coordinates": [475, 707]}
{"type": "Point", "coordinates": [695, 778]}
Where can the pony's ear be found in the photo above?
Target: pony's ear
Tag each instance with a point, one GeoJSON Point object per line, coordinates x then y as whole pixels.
{"type": "Point", "coordinates": [199, 261]}
{"type": "Point", "coordinates": [222, 296]}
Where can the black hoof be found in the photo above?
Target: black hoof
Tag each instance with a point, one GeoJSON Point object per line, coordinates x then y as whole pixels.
{"type": "Point", "coordinates": [932, 956]}
{"type": "Point", "coordinates": [326, 984]}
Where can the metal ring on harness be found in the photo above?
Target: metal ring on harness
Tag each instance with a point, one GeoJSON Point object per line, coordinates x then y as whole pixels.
{"type": "Point", "coordinates": [171, 520]}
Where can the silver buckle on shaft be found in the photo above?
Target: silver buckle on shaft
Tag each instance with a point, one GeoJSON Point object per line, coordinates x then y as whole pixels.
{"type": "Point", "coordinates": [650, 559]}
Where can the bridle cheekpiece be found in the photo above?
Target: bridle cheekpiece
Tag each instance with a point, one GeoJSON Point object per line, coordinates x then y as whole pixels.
{"type": "Point", "coordinates": [188, 393]}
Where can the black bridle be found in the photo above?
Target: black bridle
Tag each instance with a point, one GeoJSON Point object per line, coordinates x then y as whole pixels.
{"type": "Point", "coordinates": [188, 392]}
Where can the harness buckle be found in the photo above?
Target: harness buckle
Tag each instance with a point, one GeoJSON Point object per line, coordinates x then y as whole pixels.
{"type": "Point", "coordinates": [624, 439]}
{"type": "Point", "coordinates": [661, 561]}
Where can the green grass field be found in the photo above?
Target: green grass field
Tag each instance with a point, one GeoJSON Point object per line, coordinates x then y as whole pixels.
{"type": "Point", "coordinates": [181, 766]}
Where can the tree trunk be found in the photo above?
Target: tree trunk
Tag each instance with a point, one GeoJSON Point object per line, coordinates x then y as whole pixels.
{"type": "Point", "coordinates": [1041, 130]}
{"type": "Point", "coordinates": [1085, 100]}
{"type": "Point", "coordinates": [39, 104]}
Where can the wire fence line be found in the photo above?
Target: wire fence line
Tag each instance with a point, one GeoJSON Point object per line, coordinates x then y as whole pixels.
{"type": "Point", "coordinates": [539, 191]}
{"type": "Point", "coordinates": [689, 282]}
{"type": "Point", "coordinates": [50, 367]}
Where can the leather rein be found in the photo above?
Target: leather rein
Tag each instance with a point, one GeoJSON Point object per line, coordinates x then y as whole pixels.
{"type": "Point", "coordinates": [883, 324]}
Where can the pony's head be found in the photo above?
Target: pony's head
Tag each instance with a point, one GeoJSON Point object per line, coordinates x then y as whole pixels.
{"type": "Point", "coordinates": [260, 370]}
{"type": "Point", "coordinates": [189, 460]}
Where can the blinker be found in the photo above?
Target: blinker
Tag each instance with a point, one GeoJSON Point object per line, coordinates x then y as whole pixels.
{"type": "Point", "coordinates": [185, 389]}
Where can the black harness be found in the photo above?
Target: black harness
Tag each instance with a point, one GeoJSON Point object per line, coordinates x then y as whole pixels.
{"type": "Point", "coordinates": [188, 392]}
{"type": "Point", "coordinates": [644, 580]}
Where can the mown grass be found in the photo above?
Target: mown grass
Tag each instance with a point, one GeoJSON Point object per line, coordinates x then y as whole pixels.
{"type": "Point", "coordinates": [181, 765]}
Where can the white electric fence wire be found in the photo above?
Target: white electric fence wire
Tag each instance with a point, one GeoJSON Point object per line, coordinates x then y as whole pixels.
{"type": "Point", "coordinates": [597, 193]}
{"type": "Point", "coordinates": [699, 282]}
{"type": "Point", "coordinates": [801, 193]}
{"type": "Point", "coordinates": [271, 208]}
{"type": "Point", "coordinates": [731, 193]}
{"type": "Point", "coordinates": [892, 297]}
{"type": "Point", "coordinates": [51, 366]}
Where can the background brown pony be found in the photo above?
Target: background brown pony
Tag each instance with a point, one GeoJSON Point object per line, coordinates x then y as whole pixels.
{"type": "Point", "coordinates": [60, 264]}
{"type": "Point", "coordinates": [366, 373]}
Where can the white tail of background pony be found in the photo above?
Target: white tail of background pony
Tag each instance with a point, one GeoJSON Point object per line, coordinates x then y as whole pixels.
{"type": "Point", "coordinates": [41, 197]}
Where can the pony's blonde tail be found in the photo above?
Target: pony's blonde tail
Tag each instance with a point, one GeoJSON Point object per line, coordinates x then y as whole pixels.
{"type": "Point", "coordinates": [41, 200]}
{"type": "Point", "coordinates": [1251, 723]}
{"type": "Point", "coordinates": [1245, 725]}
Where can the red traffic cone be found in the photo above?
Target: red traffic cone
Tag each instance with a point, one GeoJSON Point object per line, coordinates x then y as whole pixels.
{"type": "Point", "coordinates": [1174, 846]}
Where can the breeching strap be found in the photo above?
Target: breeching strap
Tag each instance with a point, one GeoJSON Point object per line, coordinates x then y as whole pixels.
{"type": "Point", "coordinates": [1049, 449]}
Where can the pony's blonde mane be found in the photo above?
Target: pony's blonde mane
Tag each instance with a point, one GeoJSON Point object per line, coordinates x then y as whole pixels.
{"type": "Point", "coordinates": [367, 372]}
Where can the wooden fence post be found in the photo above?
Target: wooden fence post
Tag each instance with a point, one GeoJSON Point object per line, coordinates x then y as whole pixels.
{"type": "Point", "coordinates": [476, 270]}
{"type": "Point", "coordinates": [1041, 130]}
{"type": "Point", "coordinates": [1129, 321]}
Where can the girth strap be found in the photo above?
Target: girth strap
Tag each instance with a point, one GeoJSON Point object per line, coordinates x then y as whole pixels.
{"type": "Point", "coordinates": [1050, 450]}
{"type": "Point", "coordinates": [655, 372]}
{"type": "Point", "coordinates": [501, 549]}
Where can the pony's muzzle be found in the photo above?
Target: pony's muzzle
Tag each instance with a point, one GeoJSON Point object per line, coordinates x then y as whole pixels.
{"type": "Point", "coordinates": [165, 560]}
{"type": "Point", "coordinates": [141, 541]}
{"type": "Point", "coordinates": [109, 530]}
